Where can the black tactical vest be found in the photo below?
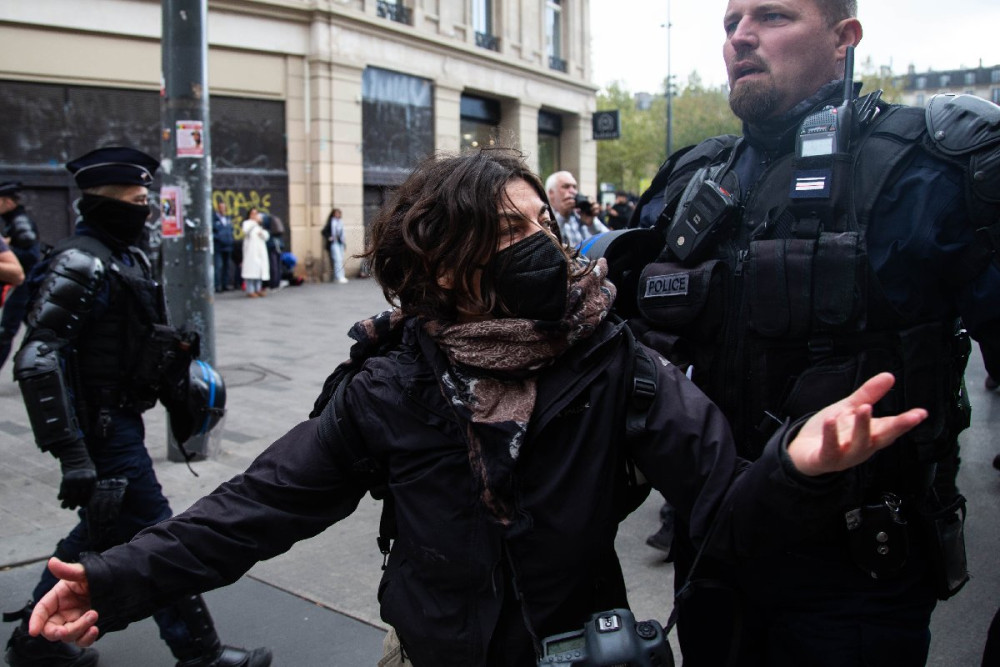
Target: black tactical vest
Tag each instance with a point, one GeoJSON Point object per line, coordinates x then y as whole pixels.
{"type": "Point", "coordinates": [784, 314]}
{"type": "Point", "coordinates": [111, 364]}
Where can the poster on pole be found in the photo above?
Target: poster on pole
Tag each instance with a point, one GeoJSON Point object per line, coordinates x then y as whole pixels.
{"type": "Point", "coordinates": [171, 215]}
{"type": "Point", "coordinates": [189, 138]}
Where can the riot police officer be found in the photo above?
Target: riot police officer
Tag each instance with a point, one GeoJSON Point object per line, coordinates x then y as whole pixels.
{"type": "Point", "coordinates": [832, 239]}
{"type": "Point", "coordinates": [99, 351]}
{"type": "Point", "coordinates": [22, 233]}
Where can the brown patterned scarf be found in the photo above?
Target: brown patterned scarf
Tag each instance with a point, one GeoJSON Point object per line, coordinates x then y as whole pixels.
{"type": "Point", "coordinates": [490, 379]}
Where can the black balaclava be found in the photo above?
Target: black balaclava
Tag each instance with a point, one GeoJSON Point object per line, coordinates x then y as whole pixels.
{"type": "Point", "coordinates": [121, 220]}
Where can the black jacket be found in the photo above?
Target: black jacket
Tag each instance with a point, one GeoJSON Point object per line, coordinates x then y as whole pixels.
{"type": "Point", "coordinates": [448, 586]}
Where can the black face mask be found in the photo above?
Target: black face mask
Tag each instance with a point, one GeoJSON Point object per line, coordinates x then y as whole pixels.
{"type": "Point", "coordinates": [121, 220]}
{"type": "Point", "coordinates": [530, 279]}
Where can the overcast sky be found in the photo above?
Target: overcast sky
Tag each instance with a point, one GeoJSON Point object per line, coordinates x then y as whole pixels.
{"type": "Point", "coordinates": [629, 42]}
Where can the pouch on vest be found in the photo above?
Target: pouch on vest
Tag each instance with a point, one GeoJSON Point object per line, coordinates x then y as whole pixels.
{"type": "Point", "coordinates": [944, 535]}
{"type": "Point", "coordinates": [779, 286]}
{"type": "Point", "coordinates": [819, 385]}
{"type": "Point", "coordinates": [687, 300]}
{"type": "Point", "coordinates": [839, 285]}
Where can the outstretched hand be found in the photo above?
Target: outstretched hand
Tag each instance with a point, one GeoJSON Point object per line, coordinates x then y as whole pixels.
{"type": "Point", "coordinates": [842, 435]}
{"type": "Point", "coordinates": [64, 613]}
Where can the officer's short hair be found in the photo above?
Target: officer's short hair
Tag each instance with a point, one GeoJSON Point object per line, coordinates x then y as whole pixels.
{"type": "Point", "coordinates": [837, 10]}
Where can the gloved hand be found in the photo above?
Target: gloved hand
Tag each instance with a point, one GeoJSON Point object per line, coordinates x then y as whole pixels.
{"type": "Point", "coordinates": [78, 475]}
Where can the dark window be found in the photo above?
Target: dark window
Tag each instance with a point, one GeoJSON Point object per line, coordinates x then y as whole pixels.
{"type": "Point", "coordinates": [480, 118]}
{"type": "Point", "coordinates": [553, 34]}
{"type": "Point", "coordinates": [549, 142]}
{"type": "Point", "coordinates": [49, 124]}
{"type": "Point", "coordinates": [56, 123]}
{"type": "Point", "coordinates": [482, 24]}
{"type": "Point", "coordinates": [549, 123]}
{"type": "Point", "coordinates": [249, 157]}
{"type": "Point", "coordinates": [397, 124]}
{"type": "Point", "coordinates": [995, 96]}
{"type": "Point", "coordinates": [394, 11]}
{"type": "Point", "coordinates": [995, 76]}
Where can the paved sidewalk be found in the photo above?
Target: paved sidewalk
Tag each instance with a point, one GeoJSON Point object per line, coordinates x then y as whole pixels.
{"type": "Point", "coordinates": [316, 604]}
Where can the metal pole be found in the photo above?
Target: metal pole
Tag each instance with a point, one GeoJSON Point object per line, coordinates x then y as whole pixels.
{"type": "Point", "coordinates": [670, 92]}
{"type": "Point", "coordinates": [187, 183]}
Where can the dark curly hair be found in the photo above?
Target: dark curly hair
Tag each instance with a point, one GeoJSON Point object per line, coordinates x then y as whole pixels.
{"type": "Point", "coordinates": [443, 221]}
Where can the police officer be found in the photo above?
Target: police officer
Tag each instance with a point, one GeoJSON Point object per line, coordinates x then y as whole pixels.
{"type": "Point", "coordinates": [803, 264]}
{"type": "Point", "coordinates": [22, 235]}
{"type": "Point", "coordinates": [92, 361]}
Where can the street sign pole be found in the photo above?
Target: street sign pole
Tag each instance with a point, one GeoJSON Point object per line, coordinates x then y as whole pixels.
{"type": "Point", "coordinates": [186, 248]}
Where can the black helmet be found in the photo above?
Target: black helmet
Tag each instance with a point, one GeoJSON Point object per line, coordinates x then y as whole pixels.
{"type": "Point", "coordinates": [203, 403]}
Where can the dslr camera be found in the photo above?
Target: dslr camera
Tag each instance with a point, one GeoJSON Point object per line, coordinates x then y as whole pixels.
{"type": "Point", "coordinates": [608, 639]}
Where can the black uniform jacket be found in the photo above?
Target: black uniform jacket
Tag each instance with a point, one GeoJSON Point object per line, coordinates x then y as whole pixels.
{"type": "Point", "coordinates": [448, 588]}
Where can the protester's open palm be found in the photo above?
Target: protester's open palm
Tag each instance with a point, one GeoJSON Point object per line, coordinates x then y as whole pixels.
{"type": "Point", "coordinates": [842, 435]}
{"type": "Point", "coordinates": [64, 613]}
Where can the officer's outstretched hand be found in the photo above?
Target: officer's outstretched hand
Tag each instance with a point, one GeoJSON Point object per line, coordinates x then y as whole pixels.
{"type": "Point", "coordinates": [842, 435]}
{"type": "Point", "coordinates": [64, 613]}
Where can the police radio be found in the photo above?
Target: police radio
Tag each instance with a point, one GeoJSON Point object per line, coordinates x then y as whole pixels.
{"type": "Point", "coordinates": [822, 137]}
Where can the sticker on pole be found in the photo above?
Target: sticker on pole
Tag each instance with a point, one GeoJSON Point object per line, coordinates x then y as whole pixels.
{"type": "Point", "coordinates": [190, 138]}
{"type": "Point", "coordinates": [172, 217]}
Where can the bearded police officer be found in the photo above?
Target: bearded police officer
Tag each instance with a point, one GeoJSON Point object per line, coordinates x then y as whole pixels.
{"type": "Point", "coordinates": [835, 238]}
{"type": "Point", "coordinates": [22, 237]}
{"type": "Point", "coordinates": [99, 351]}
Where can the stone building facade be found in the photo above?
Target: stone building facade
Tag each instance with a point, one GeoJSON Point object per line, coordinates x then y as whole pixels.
{"type": "Point", "coordinates": [313, 103]}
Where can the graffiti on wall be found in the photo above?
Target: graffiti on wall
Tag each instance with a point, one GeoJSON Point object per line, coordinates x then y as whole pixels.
{"type": "Point", "coordinates": [238, 202]}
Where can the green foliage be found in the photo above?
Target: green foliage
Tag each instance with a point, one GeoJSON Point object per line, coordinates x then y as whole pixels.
{"type": "Point", "coordinates": [631, 161]}
{"type": "Point", "coordinates": [875, 77]}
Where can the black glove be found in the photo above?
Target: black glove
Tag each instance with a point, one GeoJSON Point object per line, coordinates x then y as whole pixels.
{"type": "Point", "coordinates": [78, 475]}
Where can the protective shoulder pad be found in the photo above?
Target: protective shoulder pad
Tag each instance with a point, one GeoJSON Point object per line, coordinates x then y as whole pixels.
{"type": "Point", "coordinates": [961, 124]}
{"type": "Point", "coordinates": [709, 149]}
{"type": "Point", "coordinates": [67, 293]}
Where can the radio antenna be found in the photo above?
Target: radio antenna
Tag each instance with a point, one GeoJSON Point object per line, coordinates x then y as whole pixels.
{"type": "Point", "coordinates": [849, 75]}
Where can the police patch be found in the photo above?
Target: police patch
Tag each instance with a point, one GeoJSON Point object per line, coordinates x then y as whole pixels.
{"type": "Point", "coordinates": [673, 284]}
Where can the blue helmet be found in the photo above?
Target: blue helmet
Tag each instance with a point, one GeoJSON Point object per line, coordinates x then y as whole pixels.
{"type": "Point", "coordinates": [203, 404]}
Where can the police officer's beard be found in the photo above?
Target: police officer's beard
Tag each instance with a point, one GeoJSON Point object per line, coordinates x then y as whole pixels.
{"type": "Point", "coordinates": [755, 101]}
{"type": "Point", "coordinates": [121, 220]}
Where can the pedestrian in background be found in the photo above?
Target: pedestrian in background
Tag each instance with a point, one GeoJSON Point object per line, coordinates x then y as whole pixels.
{"type": "Point", "coordinates": [275, 228]}
{"type": "Point", "coordinates": [256, 269]}
{"type": "Point", "coordinates": [590, 223]}
{"type": "Point", "coordinates": [495, 409]}
{"type": "Point", "coordinates": [333, 234]}
{"type": "Point", "coordinates": [561, 189]}
{"type": "Point", "coordinates": [620, 212]}
{"type": "Point", "coordinates": [222, 247]}
{"type": "Point", "coordinates": [21, 234]}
